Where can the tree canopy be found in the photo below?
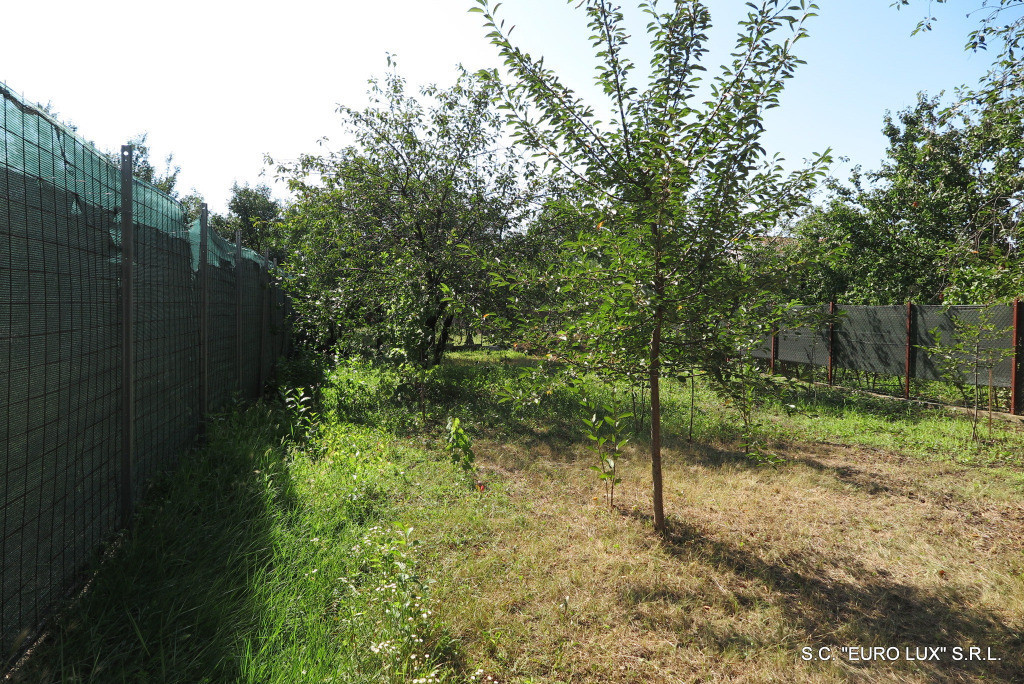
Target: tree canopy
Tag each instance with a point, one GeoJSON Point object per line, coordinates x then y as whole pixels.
{"type": "Point", "coordinates": [377, 231]}
{"type": "Point", "coordinates": [938, 221]}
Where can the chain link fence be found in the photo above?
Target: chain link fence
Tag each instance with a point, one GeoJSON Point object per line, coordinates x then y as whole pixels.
{"type": "Point", "coordinates": [68, 469]}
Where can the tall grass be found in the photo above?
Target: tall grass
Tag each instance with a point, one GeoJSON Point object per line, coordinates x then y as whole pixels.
{"type": "Point", "coordinates": [269, 556]}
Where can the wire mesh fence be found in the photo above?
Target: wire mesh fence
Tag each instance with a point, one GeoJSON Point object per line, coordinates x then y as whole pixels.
{"type": "Point", "coordinates": [63, 395]}
{"type": "Point", "coordinates": [952, 354]}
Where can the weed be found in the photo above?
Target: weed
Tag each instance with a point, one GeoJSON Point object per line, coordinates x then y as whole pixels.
{"type": "Point", "coordinates": [459, 445]}
{"type": "Point", "coordinates": [604, 429]}
{"type": "Point", "coordinates": [305, 419]}
{"type": "Point", "coordinates": [271, 556]}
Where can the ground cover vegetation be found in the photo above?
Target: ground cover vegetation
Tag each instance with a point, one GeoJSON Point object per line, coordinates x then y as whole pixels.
{"type": "Point", "coordinates": [330, 535]}
{"type": "Point", "coordinates": [271, 555]}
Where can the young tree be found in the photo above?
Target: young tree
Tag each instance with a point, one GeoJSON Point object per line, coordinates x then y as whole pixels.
{"type": "Point", "coordinates": [683, 187]}
{"type": "Point", "coordinates": [377, 230]}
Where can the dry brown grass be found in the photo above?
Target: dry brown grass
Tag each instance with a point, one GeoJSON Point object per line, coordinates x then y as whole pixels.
{"type": "Point", "coordinates": [540, 582]}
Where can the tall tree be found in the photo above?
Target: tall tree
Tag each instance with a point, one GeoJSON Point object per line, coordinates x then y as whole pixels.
{"type": "Point", "coordinates": [143, 168]}
{"type": "Point", "coordinates": [938, 221]}
{"type": "Point", "coordinates": [1000, 22]}
{"type": "Point", "coordinates": [683, 188]}
{"type": "Point", "coordinates": [192, 206]}
{"type": "Point", "coordinates": [377, 229]}
{"type": "Point", "coordinates": [254, 211]}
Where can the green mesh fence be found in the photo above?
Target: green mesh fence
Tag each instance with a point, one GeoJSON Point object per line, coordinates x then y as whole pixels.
{"type": "Point", "coordinates": [977, 340]}
{"type": "Point", "coordinates": [804, 344]}
{"type": "Point", "coordinates": [61, 352]}
{"type": "Point", "coordinates": [871, 338]}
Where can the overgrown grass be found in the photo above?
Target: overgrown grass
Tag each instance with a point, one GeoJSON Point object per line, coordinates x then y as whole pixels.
{"type": "Point", "coordinates": [265, 558]}
{"type": "Point", "coordinates": [930, 432]}
{"type": "Point", "coordinates": [338, 542]}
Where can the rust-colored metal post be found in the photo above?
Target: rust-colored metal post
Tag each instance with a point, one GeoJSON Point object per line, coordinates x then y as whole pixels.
{"type": "Point", "coordinates": [1016, 372]}
{"type": "Point", "coordinates": [773, 351]}
{"type": "Point", "coordinates": [831, 340]}
{"type": "Point", "coordinates": [910, 347]}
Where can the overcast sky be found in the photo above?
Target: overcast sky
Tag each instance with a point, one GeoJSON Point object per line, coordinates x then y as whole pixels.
{"type": "Point", "coordinates": [220, 83]}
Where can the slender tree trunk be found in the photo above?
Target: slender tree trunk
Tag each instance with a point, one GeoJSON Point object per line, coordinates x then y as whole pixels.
{"type": "Point", "coordinates": [442, 340]}
{"type": "Point", "coordinates": [655, 377]}
{"type": "Point", "coordinates": [659, 319]}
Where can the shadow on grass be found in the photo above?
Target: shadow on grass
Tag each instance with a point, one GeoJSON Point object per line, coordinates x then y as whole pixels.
{"type": "Point", "coordinates": [471, 390]}
{"type": "Point", "coordinates": [867, 610]}
{"type": "Point", "coordinates": [836, 401]}
{"type": "Point", "coordinates": [174, 601]}
{"type": "Point", "coordinates": [858, 478]}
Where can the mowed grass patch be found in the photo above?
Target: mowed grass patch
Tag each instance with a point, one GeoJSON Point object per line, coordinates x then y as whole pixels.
{"type": "Point", "coordinates": [835, 545]}
{"type": "Point", "coordinates": [925, 431]}
{"type": "Point", "coordinates": [540, 582]}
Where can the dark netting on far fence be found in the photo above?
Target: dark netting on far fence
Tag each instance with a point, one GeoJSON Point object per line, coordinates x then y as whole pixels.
{"type": "Point", "coordinates": [805, 343]}
{"type": "Point", "coordinates": [222, 321]}
{"type": "Point", "coordinates": [166, 323]}
{"type": "Point", "coordinates": [871, 338]}
{"type": "Point", "coordinates": [251, 276]}
{"type": "Point", "coordinates": [972, 344]}
{"type": "Point", "coordinates": [62, 404]}
{"type": "Point", "coordinates": [910, 346]}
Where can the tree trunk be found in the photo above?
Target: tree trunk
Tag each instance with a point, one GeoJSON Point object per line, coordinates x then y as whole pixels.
{"type": "Point", "coordinates": [655, 377]}
{"type": "Point", "coordinates": [425, 345]}
{"type": "Point", "coordinates": [441, 345]}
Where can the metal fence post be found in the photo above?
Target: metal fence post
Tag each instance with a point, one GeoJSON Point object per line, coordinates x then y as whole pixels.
{"type": "Point", "coordinates": [910, 341]}
{"type": "Point", "coordinates": [831, 340]}
{"type": "Point", "coordinates": [238, 306]}
{"type": "Point", "coordinates": [1016, 362]}
{"type": "Point", "coordinates": [773, 351]}
{"type": "Point", "coordinates": [204, 305]}
{"type": "Point", "coordinates": [264, 317]}
{"type": "Point", "coordinates": [127, 335]}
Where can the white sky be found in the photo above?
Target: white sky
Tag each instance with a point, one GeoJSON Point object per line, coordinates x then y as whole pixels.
{"type": "Point", "coordinates": [219, 83]}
